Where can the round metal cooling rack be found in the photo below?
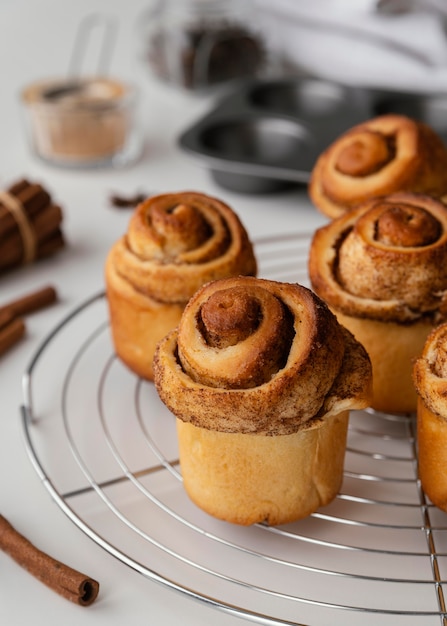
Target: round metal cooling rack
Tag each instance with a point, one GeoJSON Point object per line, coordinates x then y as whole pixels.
{"type": "Point", "coordinates": [105, 448]}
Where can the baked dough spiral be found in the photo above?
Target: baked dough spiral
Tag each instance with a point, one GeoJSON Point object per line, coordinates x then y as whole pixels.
{"type": "Point", "coordinates": [174, 244]}
{"type": "Point", "coordinates": [384, 155]}
{"type": "Point", "coordinates": [430, 379]}
{"type": "Point", "coordinates": [290, 362]}
{"type": "Point", "coordinates": [382, 268]}
{"type": "Point", "coordinates": [261, 370]}
{"type": "Point", "coordinates": [385, 260]}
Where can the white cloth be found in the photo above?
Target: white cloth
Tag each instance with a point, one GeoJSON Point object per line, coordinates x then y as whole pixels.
{"type": "Point", "coordinates": [350, 42]}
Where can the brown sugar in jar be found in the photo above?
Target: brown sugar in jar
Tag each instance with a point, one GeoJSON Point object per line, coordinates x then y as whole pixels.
{"type": "Point", "coordinates": [80, 122]}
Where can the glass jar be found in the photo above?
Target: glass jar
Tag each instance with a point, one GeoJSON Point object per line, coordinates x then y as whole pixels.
{"type": "Point", "coordinates": [198, 44]}
{"type": "Point", "coordinates": [86, 122]}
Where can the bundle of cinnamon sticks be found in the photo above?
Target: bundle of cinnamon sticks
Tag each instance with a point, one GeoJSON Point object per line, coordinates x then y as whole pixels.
{"type": "Point", "coordinates": [30, 224]}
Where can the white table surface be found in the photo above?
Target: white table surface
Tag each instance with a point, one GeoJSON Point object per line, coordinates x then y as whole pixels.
{"type": "Point", "coordinates": [35, 41]}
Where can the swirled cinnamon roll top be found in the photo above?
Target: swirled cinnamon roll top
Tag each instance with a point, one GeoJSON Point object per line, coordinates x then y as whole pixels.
{"type": "Point", "coordinates": [430, 372]}
{"type": "Point", "coordinates": [387, 154]}
{"type": "Point", "coordinates": [385, 260]}
{"type": "Point", "coordinates": [258, 356]}
{"type": "Point", "coordinates": [177, 242]}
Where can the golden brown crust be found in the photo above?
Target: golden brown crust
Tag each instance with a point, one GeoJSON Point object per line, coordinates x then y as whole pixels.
{"type": "Point", "coordinates": [310, 375]}
{"type": "Point", "coordinates": [392, 349]}
{"type": "Point", "coordinates": [137, 322]}
{"type": "Point", "coordinates": [430, 380]}
{"type": "Point", "coordinates": [430, 372]}
{"type": "Point", "coordinates": [174, 244]}
{"type": "Point", "coordinates": [386, 260]}
{"type": "Point", "coordinates": [381, 156]}
{"type": "Point", "coordinates": [432, 454]}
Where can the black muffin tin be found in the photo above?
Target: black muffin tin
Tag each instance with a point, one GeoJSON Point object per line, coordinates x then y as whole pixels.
{"type": "Point", "coordinates": [266, 135]}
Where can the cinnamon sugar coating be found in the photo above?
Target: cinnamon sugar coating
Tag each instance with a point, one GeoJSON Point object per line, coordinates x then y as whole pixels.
{"type": "Point", "coordinates": [385, 260]}
{"type": "Point", "coordinates": [177, 242]}
{"type": "Point", "coordinates": [384, 155]}
{"type": "Point", "coordinates": [291, 363]}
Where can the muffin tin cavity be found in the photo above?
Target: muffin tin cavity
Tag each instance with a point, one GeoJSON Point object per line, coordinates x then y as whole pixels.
{"type": "Point", "coordinates": [266, 135]}
{"type": "Point", "coordinates": [431, 109]}
{"type": "Point", "coordinates": [257, 145]}
{"type": "Point", "coordinates": [309, 99]}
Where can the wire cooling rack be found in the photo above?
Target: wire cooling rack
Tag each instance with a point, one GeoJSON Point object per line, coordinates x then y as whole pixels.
{"type": "Point", "coordinates": [105, 448]}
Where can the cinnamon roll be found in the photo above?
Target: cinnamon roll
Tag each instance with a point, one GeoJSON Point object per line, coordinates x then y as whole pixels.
{"type": "Point", "coordinates": [261, 378]}
{"type": "Point", "coordinates": [174, 244]}
{"type": "Point", "coordinates": [430, 379]}
{"type": "Point", "coordinates": [384, 155]}
{"type": "Point", "coordinates": [382, 268]}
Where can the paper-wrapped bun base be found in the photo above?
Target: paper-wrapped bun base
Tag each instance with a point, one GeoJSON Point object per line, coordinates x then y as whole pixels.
{"type": "Point", "coordinates": [432, 454]}
{"type": "Point", "coordinates": [392, 349]}
{"type": "Point", "coordinates": [246, 479]}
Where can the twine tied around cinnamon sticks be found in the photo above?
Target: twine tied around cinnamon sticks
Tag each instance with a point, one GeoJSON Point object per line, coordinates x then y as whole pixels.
{"type": "Point", "coordinates": [30, 224]}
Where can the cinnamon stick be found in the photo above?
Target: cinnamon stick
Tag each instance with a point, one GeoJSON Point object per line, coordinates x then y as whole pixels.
{"type": "Point", "coordinates": [66, 581]}
{"type": "Point", "coordinates": [12, 327]}
{"type": "Point", "coordinates": [6, 317]}
{"type": "Point", "coordinates": [31, 302]}
{"type": "Point", "coordinates": [120, 201]}
{"type": "Point", "coordinates": [12, 330]}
